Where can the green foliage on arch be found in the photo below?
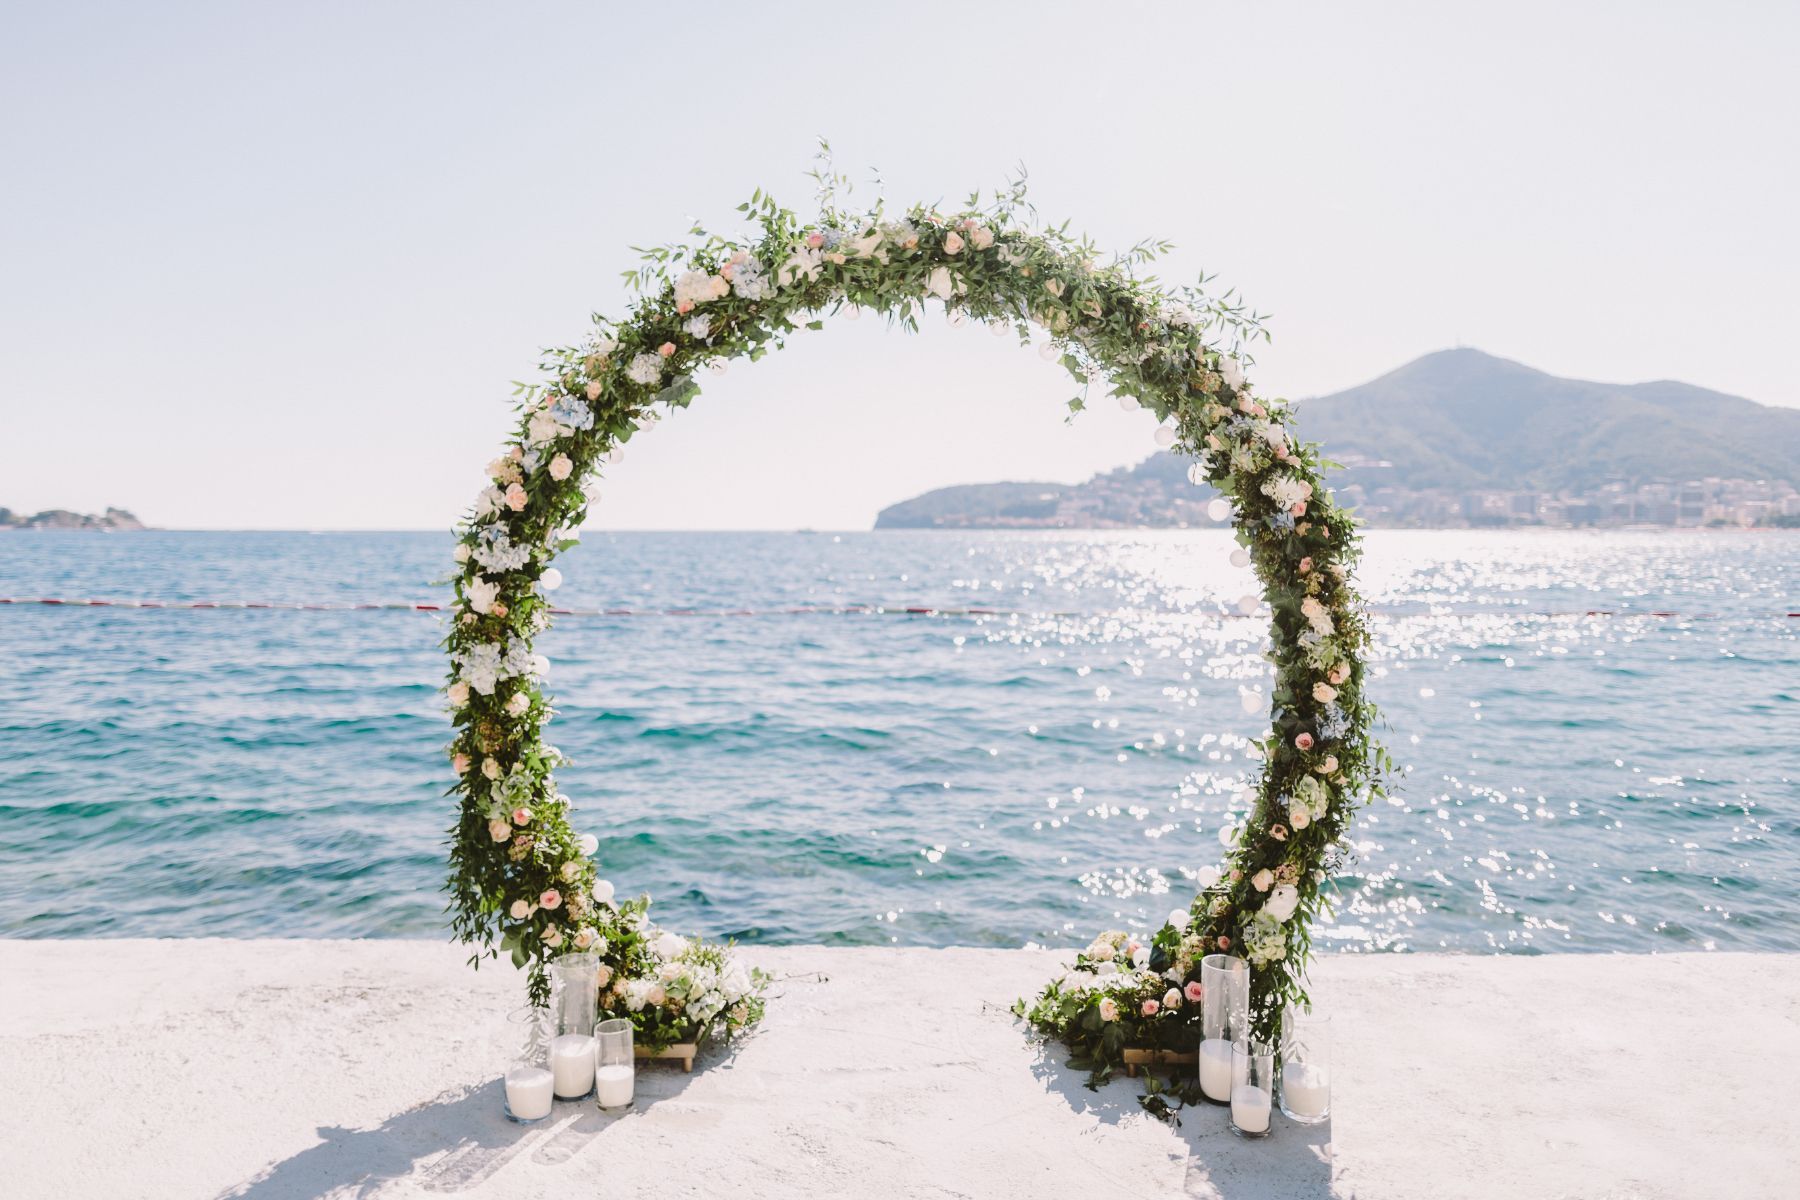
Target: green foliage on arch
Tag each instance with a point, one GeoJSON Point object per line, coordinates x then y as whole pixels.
{"type": "Point", "coordinates": [1176, 351]}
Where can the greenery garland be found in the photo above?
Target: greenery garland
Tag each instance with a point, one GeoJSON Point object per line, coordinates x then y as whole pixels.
{"type": "Point", "coordinates": [519, 872]}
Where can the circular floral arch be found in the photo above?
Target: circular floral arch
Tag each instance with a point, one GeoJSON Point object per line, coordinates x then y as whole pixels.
{"type": "Point", "coordinates": [520, 874]}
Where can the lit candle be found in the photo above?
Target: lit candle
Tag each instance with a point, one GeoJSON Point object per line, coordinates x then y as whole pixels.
{"type": "Point", "coordinates": [1215, 1068]}
{"type": "Point", "coordinates": [572, 1061]}
{"type": "Point", "coordinates": [1305, 1090]}
{"type": "Point", "coordinates": [528, 1093]}
{"type": "Point", "coordinates": [1250, 1108]}
{"type": "Point", "coordinates": [613, 1084]}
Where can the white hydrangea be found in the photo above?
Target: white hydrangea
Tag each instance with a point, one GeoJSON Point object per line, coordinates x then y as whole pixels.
{"type": "Point", "coordinates": [697, 287]}
{"type": "Point", "coordinates": [481, 594]}
{"type": "Point", "coordinates": [645, 368]}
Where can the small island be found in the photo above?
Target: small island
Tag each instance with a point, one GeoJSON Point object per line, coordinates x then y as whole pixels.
{"type": "Point", "coordinates": [113, 520]}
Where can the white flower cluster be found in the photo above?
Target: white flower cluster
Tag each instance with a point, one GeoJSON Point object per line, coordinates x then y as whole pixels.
{"type": "Point", "coordinates": [483, 665]}
{"type": "Point", "coordinates": [495, 551]}
{"type": "Point", "coordinates": [645, 368]}
{"type": "Point", "coordinates": [702, 983]}
{"type": "Point", "coordinates": [1287, 490]}
{"type": "Point", "coordinates": [697, 287]}
{"type": "Point", "coordinates": [1310, 801]}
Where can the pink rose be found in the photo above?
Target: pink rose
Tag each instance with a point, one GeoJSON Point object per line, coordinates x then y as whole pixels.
{"type": "Point", "coordinates": [1305, 565]}
{"type": "Point", "coordinates": [1278, 832]}
{"type": "Point", "coordinates": [1304, 741]}
{"type": "Point", "coordinates": [550, 899]}
{"type": "Point", "coordinates": [1194, 992]}
{"type": "Point", "coordinates": [684, 306]}
{"type": "Point", "coordinates": [1109, 1009]}
{"type": "Point", "coordinates": [1132, 947]}
{"type": "Point", "coordinates": [516, 499]}
{"type": "Point", "coordinates": [1339, 673]}
{"type": "Point", "coordinates": [499, 830]}
{"type": "Point", "coordinates": [460, 764]}
{"type": "Point", "coordinates": [656, 995]}
{"type": "Point", "coordinates": [1151, 1008]}
{"type": "Point", "coordinates": [815, 240]}
{"type": "Point", "coordinates": [521, 816]}
{"type": "Point", "coordinates": [953, 243]}
{"type": "Point", "coordinates": [1224, 942]}
{"type": "Point", "coordinates": [1299, 509]}
{"type": "Point", "coordinates": [667, 349]}
{"type": "Point", "coordinates": [605, 974]}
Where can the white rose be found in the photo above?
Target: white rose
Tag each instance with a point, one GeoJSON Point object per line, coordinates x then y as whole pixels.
{"type": "Point", "coordinates": [459, 694]}
{"type": "Point", "coordinates": [1324, 693]}
{"type": "Point", "coordinates": [589, 844]}
{"type": "Point", "coordinates": [518, 704]}
{"type": "Point", "coordinates": [1179, 918]}
{"type": "Point", "coordinates": [669, 945]}
{"type": "Point", "coordinates": [490, 768]}
{"type": "Point", "coordinates": [520, 910]}
{"type": "Point", "coordinates": [1263, 880]}
{"type": "Point", "coordinates": [1172, 998]}
{"type": "Point", "coordinates": [1140, 957]}
{"type": "Point", "coordinates": [461, 553]}
{"type": "Point", "coordinates": [1207, 877]}
{"type": "Point", "coordinates": [481, 594]}
{"type": "Point", "coordinates": [1282, 902]}
{"type": "Point", "coordinates": [570, 870]}
{"type": "Point", "coordinates": [940, 284]}
{"type": "Point", "coordinates": [605, 346]}
{"type": "Point", "coordinates": [603, 891]}
{"type": "Point", "coordinates": [543, 428]}
{"type": "Point", "coordinates": [560, 466]}
{"type": "Point", "coordinates": [1106, 968]}
{"type": "Point", "coordinates": [1232, 372]}
{"type": "Point", "coordinates": [553, 937]}
{"type": "Point", "coordinates": [1298, 817]}
{"type": "Point", "coordinates": [540, 666]}
{"type": "Point", "coordinates": [499, 829]}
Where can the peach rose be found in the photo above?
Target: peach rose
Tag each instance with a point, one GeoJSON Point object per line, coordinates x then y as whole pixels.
{"type": "Point", "coordinates": [516, 499]}
{"type": "Point", "coordinates": [551, 899]}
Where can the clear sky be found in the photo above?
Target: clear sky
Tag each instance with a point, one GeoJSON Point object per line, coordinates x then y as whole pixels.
{"type": "Point", "coordinates": [273, 265]}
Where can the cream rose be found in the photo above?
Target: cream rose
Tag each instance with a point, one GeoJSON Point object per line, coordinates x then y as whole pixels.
{"type": "Point", "coordinates": [560, 466]}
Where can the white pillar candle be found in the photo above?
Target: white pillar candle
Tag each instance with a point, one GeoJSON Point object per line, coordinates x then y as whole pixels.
{"type": "Point", "coordinates": [572, 1061]}
{"type": "Point", "coordinates": [1305, 1090]}
{"type": "Point", "coordinates": [613, 1084]}
{"type": "Point", "coordinates": [1249, 1108]}
{"type": "Point", "coordinates": [528, 1093]}
{"type": "Point", "coordinates": [1215, 1068]}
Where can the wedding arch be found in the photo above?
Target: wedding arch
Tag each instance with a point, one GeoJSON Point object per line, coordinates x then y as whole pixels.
{"type": "Point", "coordinates": [523, 877]}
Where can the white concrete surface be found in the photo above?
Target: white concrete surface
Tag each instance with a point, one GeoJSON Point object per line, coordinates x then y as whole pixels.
{"type": "Point", "coordinates": [278, 1069]}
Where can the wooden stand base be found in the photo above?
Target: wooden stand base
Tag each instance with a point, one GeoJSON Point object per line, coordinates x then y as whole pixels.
{"type": "Point", "coordinates": [1160, 1058]}
{"type": "Point", "coordinates": [684, 1051]}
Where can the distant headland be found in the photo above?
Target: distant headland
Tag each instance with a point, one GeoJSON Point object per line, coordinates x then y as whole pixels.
{"type": "Point", "coordinates": [113, 520]}
{"type": "Point", "coordinates": [1461, 439]}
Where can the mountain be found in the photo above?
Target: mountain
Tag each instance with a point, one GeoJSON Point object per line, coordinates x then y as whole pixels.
{"type": "Point", "coordinates": [62, 518]}
{"type": "Point", "coordinates": [1457, 438]}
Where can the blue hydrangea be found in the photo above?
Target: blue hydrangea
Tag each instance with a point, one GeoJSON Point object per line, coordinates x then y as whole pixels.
{"type": "Point", "coordinates": [1334, 723]}
{"type": "Point", "coordinates": [573, 412]}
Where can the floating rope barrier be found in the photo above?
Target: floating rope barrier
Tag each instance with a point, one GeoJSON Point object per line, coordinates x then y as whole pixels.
{"type": "Point", "coordinates": [799, 610]}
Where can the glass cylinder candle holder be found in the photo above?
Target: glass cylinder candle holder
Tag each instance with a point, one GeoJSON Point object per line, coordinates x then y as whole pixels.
{"type": "Point", "coordinates": [1224, 1018]}
{"type": "Point", "coordinates": [615, 1066]}
{"type": "Point", "coordinates": [1306, 1067]}
{"type": "Point", "coordinates": [1252, 1087]}
{"type": "Point", "coordinates": [525, 1057]}
{"type": "Point", "coordinates": [574, 1000]}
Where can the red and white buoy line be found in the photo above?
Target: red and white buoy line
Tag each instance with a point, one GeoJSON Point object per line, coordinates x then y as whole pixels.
{"type": "Point", "coordinates": [798, 610]}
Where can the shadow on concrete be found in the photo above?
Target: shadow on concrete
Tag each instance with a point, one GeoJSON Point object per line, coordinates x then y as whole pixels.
{"type": "Point", "coordinates": [450, 1144]}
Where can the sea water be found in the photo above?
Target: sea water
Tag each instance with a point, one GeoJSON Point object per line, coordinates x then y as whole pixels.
{"type": "Point", "coordinates": [1579, 774]}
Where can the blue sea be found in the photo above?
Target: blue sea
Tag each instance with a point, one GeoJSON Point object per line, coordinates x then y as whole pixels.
{"type": "Point", "coordinates": [1600, 734]}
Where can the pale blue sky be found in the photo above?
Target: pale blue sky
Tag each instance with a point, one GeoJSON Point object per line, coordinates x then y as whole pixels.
{"type": "Point", "coordinates": [274, 265]}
